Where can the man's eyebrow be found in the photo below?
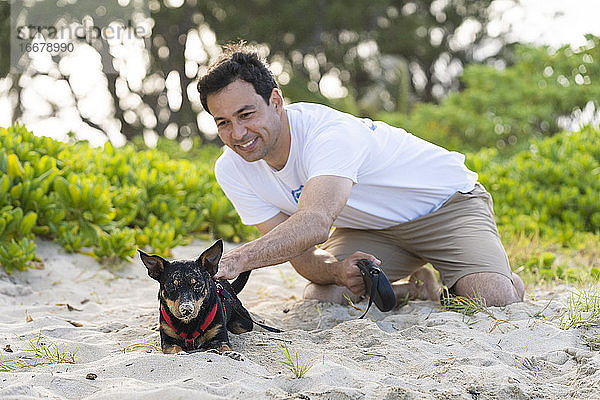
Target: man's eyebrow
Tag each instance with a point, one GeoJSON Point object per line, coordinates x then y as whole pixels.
{"type": "Point", "coordinates": [241, 110]}
{"type": "Point", "coordinates": [245, 108]}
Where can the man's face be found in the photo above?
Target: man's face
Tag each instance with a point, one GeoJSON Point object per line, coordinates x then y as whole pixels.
{"type": "Point", "coordinates": [245, 122]}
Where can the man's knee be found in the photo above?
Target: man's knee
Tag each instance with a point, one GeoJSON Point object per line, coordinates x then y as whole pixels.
{"type": "Point", "coordinates": [496, 289]}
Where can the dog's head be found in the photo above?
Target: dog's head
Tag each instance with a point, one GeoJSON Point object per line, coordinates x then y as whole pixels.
{"type": "Point", "coordinates": [184, 284]}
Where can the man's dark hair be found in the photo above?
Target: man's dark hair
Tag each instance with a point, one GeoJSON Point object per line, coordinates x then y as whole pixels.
{"type": "Point", "coordinates": [238, 61]}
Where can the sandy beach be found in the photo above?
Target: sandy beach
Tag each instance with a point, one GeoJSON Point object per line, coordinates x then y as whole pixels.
{"type": "Point", "coordinates": [418, 351]}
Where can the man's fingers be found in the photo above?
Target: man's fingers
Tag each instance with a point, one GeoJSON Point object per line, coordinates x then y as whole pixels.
{"type": "Point", "coordinates": [355, 280]}
{"type": "Point", "coordinates": [357, 286]}
{"type": "Point", "coordinates": [222, 275]}
{"type": "Point", "coordinates": [359, 255]}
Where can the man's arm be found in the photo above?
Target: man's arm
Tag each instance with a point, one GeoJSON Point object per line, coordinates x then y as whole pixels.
{"type": "Point", "coordinates": [321, 201]}
{"type": "Point", "coordinates": [321, 267]}
{"type": "Point", "coordinates": [314, 264]}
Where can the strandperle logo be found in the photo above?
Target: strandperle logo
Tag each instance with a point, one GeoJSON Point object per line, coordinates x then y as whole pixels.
{"type": "Point", "coordinates": [84, 31]}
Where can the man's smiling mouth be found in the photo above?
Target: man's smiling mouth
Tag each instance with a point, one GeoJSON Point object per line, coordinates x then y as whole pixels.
{"type": "Point", "coordinates": [248, 143]}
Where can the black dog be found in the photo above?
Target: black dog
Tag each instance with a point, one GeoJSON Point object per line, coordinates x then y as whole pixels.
{"type": "Point", "coordinates": [196, 310]}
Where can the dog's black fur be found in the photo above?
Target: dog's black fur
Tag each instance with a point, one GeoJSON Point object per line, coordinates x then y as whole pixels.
{"type": "Point", "coordinates": [188, 293]}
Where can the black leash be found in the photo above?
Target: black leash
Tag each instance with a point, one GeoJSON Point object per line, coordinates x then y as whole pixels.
{"type": "Point", "coordinates": [241, 314]}
{"type": "Point", "coordinates": [266, 327]}
{"type": "Point", "coordinates": [374, 287]}
{"type": "Point", "coordinates": [380, 286]}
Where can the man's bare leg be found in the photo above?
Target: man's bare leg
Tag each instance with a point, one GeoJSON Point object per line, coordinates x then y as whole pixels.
{"type": "Point", "coordinates": [495, 289]}
{"type": "Point", "coordinates": [422, 285]}
{"type": "Point", "coordinates": [328, 293]}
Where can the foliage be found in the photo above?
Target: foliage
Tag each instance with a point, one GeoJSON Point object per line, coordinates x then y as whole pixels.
{"type": "Point", "coordinates": [467, 306]}
{"type": "Point", "coordinates": [593, 341]}
{"type": "Point", "coordinates": [368, 45]}
{"type": "Point", "coordinates": [5, 33]}
{"type": "Point", "coordinates": [548, 193]}
{"type": "Point", "coordinates": [552, 188]}
{"type": "Point", "coordinates": [38, 353]}
{"type": "Point", "coordinates": [105, 202]}
{"type": "Point", "coordinates": [506, 108]}
{"type": "Point", "coordinates": [583, 310]}
{"type": "Point", "coordinates": [293, 363]}
{"type": "Point", "coordinates": [198, 150]}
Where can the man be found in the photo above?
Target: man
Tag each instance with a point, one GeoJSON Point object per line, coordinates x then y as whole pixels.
{"type": "Point", "coordinates": [295, 171]}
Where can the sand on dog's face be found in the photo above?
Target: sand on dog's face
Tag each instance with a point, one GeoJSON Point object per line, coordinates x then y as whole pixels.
{"type": "Point", "coordinates": [417, 352]}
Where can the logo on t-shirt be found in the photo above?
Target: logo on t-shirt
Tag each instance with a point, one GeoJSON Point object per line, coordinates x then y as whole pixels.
{"type": "Point", "coordinates": [369, 123]}
{"type": "Point", "coordinates": [296, 193]}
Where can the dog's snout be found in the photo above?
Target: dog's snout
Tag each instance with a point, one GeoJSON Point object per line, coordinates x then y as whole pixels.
{"type": "Point", "coordinates": [186, 308]}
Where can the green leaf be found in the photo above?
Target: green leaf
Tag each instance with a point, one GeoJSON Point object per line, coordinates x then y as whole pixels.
{"type": "Point", "coordinates": [27, 223]}
{"type": "Point", "coordinates": [14, 167]}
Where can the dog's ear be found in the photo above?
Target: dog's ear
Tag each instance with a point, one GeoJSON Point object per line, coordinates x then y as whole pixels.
{"type": "Point", "coordinates": [209, 260]}
{"type": "Point", "coordinates": [154, 264]}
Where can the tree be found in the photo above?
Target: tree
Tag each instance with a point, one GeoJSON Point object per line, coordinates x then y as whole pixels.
{"type": "Point", "coordinates": [543, 92]}
{"type": "Point", "coordinates": [359, 56]}
{"type": "Point", "coordinates": [368, 45]}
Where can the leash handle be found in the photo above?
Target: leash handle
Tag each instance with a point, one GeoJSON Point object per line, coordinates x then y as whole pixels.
{"type": "Point", "coordinates": [373, 292]}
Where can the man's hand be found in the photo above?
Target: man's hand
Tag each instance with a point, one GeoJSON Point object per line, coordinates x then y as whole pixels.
{"type": "Point", "coordinates": [231, 265]}
{"type": "Point", "coordinates": [348, 274]}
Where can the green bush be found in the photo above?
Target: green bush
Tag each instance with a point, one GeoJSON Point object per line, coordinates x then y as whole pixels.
{"type": "Point", "coordinates": [553, 188]}
{"type": "Point", "coordinates": [506, 108]}
{"type": "Point", "coordinates": [547, 204]}
{"type": "Point", "coordinates": [106, 202]}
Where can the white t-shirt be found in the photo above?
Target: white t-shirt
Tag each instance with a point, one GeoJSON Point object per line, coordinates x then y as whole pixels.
{"type": "Point", "coordinates": [397, 176]}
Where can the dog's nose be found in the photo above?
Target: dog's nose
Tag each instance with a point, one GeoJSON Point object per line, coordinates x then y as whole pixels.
{"type": "Point", "coordinates": [186, 308]}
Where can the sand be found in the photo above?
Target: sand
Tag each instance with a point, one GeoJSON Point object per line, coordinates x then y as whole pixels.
{"type": "Point", "coordinates": [416, 352]}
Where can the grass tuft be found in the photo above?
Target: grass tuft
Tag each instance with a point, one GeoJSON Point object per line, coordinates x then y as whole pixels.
{"type": "Point", "coordinates": [351, 303]}
{"type": "Point", "coordinates": [133, 346]}
{"type": "Point", "coordinates": [293, 363]}
{"type": "Point", "coordinates": [541, 262]}
{"type": "Point", "coordinates": [38, 353]}
{"type": "Point", "coordinates": [593, 342]}
{"type": "Point", "coordinates": [289, 280]}
{"type": "Point", "coordinates": [540, 314]}
{"type": "Point", "coordinates": [583, 310]}
{"type": "Point", "coordinates": [467, 306]}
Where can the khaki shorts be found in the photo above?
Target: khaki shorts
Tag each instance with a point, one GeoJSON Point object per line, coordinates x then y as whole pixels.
{"type": "Point", "coordinates": [458, 239]}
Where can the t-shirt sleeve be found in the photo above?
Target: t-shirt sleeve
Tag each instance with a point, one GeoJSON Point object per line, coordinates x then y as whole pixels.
{"type": "Point", "coordinates": [249, 206]}
{"type": "Point", "coordinates": [338, 150]}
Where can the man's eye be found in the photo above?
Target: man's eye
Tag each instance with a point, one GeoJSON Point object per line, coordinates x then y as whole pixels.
{"type": "Point", "coordinates": [222, 124]}
{"type": "Point", "coordinates": [246, 115]}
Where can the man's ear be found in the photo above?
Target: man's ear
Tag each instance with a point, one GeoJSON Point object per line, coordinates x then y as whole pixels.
{"type": "Point", "coordinates": [209, 260]}
{"type": "Point", "coordinates": [277, 99]}
{"type": "Point", "coordinates": [154, 264]}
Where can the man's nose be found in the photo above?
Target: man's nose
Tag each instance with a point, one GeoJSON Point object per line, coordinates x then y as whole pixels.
{"type": "Point", "coordinates": [239, 131]}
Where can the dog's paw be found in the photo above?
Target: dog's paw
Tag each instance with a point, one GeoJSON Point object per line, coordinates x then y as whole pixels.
{"type": "Point", "coordinates": [233, 354]}
{"type": "Point", "coordinates": [174, 349]}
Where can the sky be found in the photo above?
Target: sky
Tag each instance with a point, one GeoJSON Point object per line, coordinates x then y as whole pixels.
{"type": "Point", "coordinates": [550, 22]}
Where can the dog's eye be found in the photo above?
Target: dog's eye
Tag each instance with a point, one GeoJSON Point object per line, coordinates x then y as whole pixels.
{"type": "Point", "coordinates": [198, 286]}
